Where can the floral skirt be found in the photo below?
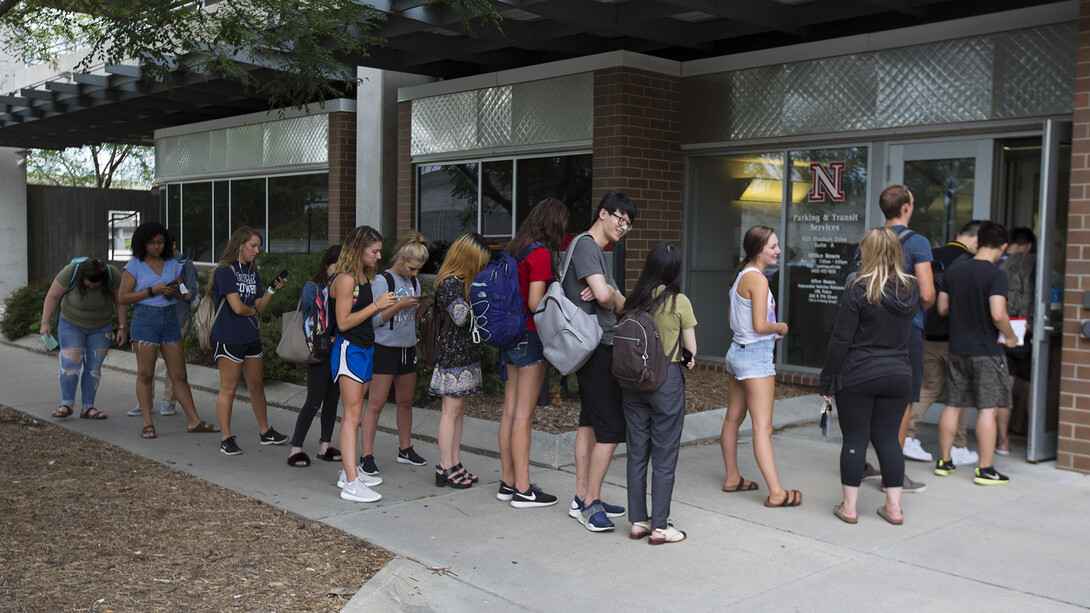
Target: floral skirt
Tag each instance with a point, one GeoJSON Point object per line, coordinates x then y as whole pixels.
{"type": "Point", "coordinates": [457, 382]}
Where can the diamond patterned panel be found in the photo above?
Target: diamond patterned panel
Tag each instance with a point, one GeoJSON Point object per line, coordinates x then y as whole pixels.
{"type": "Point", "coordinates": [493, 117]}
{"type": "Point", "coordinates": [299, 140]}
{"type": "Point", "coordinates": [753, 110]}
{"type": "Point", "coordinates": [553, 110]}
{"type": "Point", "coordinates": [183, 154]}
{"type": "Point", "coordinates": [943, 82]}
{"type": "Point", "coordinates": [244, 145]}
{"type": "Point", "coordinates": [1035, 71]}
{"type": "Point", "coordinates": [829, 95]}
{"type": "Point", "coordinates": [444, 123]}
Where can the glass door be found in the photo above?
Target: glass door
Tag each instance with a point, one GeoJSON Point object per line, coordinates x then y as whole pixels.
{"type": "Point", "coordinates": [951, 182]}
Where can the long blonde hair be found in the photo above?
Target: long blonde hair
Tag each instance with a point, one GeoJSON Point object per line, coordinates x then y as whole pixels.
{"type": "Point", "coordinates": [231, 252]}
{"type": "Point", "coordinates": [465, 258]}
{"type": "Point", "coordinates": [412, 247]}
{"type": "Point", "coordinates": [883, 262]}
{"type": "Point", "coordinates": [351, 259]}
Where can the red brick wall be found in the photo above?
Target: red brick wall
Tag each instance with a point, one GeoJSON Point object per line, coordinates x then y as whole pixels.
{"type": "Point", "coordinates": [342, 175]}
{"type": "Point", "coordinates": [406, 216]}
{"type": "Point", "coordinates": [1074, 435]}
{"type": "Point", "coordinates": [637, 120]}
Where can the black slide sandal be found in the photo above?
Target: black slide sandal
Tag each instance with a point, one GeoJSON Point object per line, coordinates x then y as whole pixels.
{"type": "Point", "coordinates": [294, 458]}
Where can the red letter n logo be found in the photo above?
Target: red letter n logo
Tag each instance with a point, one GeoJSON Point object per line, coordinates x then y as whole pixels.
{"type": "Point", "coordinates": [825, 183]}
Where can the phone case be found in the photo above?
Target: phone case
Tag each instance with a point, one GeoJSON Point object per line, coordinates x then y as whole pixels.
{"type": "Point", "coordinates": [50, 342]}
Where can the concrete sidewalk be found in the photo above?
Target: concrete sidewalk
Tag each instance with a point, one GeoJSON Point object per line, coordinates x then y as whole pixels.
{"type": "Point", "coordinates": [962, 547]}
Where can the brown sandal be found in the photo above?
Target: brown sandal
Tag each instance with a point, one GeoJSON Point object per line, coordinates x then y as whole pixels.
{"type": "Point", "coordinates": [203, 427]}
{"type": "Point", "coordinates": [792, 498]}
{"type": "Point", "coordinates": [62, 411]}
{"type": "Point", "coordinates": [91, 413]}
{"type": "Point", "coordinates": [741, 486]}
{"type": "Point", "coordinates": [148, 431]}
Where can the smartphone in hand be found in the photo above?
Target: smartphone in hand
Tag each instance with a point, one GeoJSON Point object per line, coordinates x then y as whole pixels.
{"type": "Point", "coordinates": [283, 276]}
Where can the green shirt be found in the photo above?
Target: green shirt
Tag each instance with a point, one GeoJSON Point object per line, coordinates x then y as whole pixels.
{"type": "Point", "coordinates": [669, 323]}
{"type": "Point", "coordinates": [93, 310]}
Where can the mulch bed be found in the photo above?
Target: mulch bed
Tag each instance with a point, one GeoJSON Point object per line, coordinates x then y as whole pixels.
{"type": "Point", "coordinates": [87, 526]}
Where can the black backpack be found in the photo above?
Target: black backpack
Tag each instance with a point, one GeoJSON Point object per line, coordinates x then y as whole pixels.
{"type": "Point", "coordinates": [639, 361]}
{"type": "Point", "coordinates": [434, 323]}
{"type": "Point", "coordinates": [857, 261]}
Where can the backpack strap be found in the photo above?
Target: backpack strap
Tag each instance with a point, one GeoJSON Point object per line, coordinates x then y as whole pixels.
{"type": "Point", "coordinates": [568, 255]}
{"type": "Point", "coordinates": [527, 250]}
{"type": "Point", "coordinates": [389, 287]}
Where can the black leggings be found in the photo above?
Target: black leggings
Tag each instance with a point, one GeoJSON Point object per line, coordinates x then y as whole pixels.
{"type": "Point", "coordinates": [321, 392]}
{"type": "Point", "coordinates": [872, 411]}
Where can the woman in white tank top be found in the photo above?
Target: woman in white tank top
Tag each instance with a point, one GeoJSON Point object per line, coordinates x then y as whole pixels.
{"type": "Point", "coordinates": [750, 364]}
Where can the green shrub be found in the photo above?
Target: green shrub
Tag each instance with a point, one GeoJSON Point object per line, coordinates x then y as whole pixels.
{"type": "Point", "coordinates": [23, 310]}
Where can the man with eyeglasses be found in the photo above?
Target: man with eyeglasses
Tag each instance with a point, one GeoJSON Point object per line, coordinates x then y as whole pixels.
{"type": "Point", "coordinates": [590, 285]}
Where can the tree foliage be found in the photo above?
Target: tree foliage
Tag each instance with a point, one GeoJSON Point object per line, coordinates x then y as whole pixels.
{"type": "Point", "coordinates": [306, 41]}
{"type": "Point", "coordinates": [103, 166]}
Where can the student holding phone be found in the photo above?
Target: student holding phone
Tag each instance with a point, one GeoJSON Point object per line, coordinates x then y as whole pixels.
{"type": "Point", "coordinates": [234, 291]}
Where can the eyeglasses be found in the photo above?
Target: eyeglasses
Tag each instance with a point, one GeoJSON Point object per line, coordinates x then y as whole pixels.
{"type": "Point", "coordinates": [621, 221]}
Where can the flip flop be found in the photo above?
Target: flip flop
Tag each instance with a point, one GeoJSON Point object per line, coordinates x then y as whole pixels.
{"type": "Point", "coordinates": [332, 454]}
{"type": "Point", "coordinates": [886, 516]}
{"type": "Point", "coordinates": [838, 510]}
{"type": "Point", "coordinates": [91, 413]}
{"type": "Point", "coordinates": [792, 499]}
{"type": "Point", "coordinates": [148, 431]}
{"type": "Point", "coordinates": [203, 427]}
{"type": "Point", "coordinates": [295, 458]}
{"type": "Point", "coordinates": [741, 486]}
{"type": "Point", "coordinates": [62, 411]}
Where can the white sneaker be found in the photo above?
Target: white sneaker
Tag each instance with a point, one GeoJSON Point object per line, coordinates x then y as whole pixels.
{"type": "Point", "coordinates": [357, 491]}
{"type": "Point", "coordinates": [166, 409]}
{"type": "Point", "coordinates": [963, 456]}
{"type": "Point", "coordinates": [914, 450]}
{"type": "Point", "coordinates": [134, 412]}
{"type": "Point", "coordinates": [368, 480]}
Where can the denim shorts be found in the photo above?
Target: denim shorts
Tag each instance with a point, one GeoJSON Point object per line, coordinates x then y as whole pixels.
{"type": "Point", "coordinates": [753, 361]}
{"type": "Point", "coordinates": [155, 325]}
{"type": "Point", "coordinates": [528, 352]}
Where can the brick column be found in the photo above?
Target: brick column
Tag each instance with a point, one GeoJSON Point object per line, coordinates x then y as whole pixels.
{"type": "Point", "coordinates": [637, 123]}
{"type": "Point", "coordinates": [1074, 435]}
{"type": "Point", "coordinates": [406, 211]}
{"type": "Point", "coordinates": [342, 175]}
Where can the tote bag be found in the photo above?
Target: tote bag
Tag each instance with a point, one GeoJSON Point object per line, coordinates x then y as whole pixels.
{"type": "Point", "coordinates": [568, 335]}
{"type": "Point", "coordinates": [293, 341]}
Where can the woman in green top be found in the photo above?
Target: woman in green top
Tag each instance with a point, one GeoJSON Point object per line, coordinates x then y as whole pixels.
{"type": "Point", "coordinates": [87, 293]}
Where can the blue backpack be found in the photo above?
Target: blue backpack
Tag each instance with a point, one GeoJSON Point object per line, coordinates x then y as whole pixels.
{"type": "Point", "coordinates": [499, 318]}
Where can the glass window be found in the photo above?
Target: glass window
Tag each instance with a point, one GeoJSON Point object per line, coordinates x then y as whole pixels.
{"type": "Point", "coordinates": [174, 212]}
{"type": "Point", "coordinates": [943, 193]}
{"type": "Point", "coordinates": [298, 213]}
{"type": "Point", "coordinates": [496, 202]}
{"type": "Point", "coordinates": [825, 218]}
{"type": "Point", "coordinates": [728, 195]}
{"type": "Point", "coordinates": [196, 239]}
{"type": "Point", "coordinates": [566, 178]}
{"type": "Point", "coordinates": [248, 206]}
{"type": "Point", "coordinates": [448, 206]}
{"type": "Point", "coordinates": [221, 218]}
{"type": "Point", "coordinates": [121, 224]}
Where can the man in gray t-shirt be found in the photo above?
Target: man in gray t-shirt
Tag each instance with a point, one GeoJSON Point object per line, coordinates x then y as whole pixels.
{"type": "Point", "coordinates": [601, 418]}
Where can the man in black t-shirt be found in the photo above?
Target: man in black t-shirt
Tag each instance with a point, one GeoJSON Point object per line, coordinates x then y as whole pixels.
{"type": "Point", "coordinates": [975, 299]}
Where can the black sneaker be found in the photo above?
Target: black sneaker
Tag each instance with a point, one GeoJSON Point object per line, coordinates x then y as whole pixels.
{"type": "Point", "coordinates": [367, 464]}
{"type": "Point", "coordinates": [410, 456]}
{"type": "Point", "coordinates": [531, 498]}
{"type": "Point", "coordinates": [990, 476]}
{"type": "Point", "coordinates": [944, 468]}
{"type": "Point", "coordinates": [229, 447]}
{"type": "Point", "coordinates": [272, 437]}
{"type": "Point", "coordinates": [506, 493]}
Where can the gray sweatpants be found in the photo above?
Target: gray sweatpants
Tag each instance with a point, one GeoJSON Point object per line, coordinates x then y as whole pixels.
{"type": "Point", "coordinates": [654, 421]}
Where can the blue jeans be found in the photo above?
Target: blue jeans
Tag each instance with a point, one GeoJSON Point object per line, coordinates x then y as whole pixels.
{"type": "Point", "coordinates": [86, 348]}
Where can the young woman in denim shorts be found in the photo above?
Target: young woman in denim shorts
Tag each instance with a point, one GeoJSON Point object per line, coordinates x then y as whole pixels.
{"type": "Point", "coordinates": [750, 364]}
{"type": "Point", "coordinates": [395, 350]}
{"type": "Point", "coordinates": [152, 280]}
{"type": "Point", "coordinates": [526, 365]}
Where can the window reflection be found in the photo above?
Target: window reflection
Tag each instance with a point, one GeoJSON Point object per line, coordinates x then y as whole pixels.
{"type": "Point", "coordinates": [298, 213]}
{"type": "Point", "coordinates": [196, 238]}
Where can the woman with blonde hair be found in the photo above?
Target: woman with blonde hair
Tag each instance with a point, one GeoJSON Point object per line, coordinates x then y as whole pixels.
{"type": "Point", "coordinates": [751, 367]}
{"type": "Point", "coordinates": [457, 374]}
{"type": "Point", "coordinates": [867, 370]}
{"type": "Point", "coordinates": [395, 350]}
{"type": "Point", "coordinates": [234, 291]}
{"type": "Point", "coordinates": [352, 357]}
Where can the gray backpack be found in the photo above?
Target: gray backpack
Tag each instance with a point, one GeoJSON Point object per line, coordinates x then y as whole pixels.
{"type": "Point", "coordinates": [568, 334]}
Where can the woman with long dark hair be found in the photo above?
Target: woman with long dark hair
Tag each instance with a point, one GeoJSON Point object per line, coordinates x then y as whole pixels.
{"type": "Point", "coordinates": [152, 280]}
{"type": "Point", "coordinates": [868, 372]}
{"type": "Point", "coordinates": [751, 368]}
{"type": "Point", "coordinates": [526, 365]}
{"type": "Point", "coordinates": [352, 358]}
{"type": "Point", "coordinates": [235, 292]}
{"type": "Point", "coordinates": [322, 392]}
{"type": "Point", "coordinates": [653, 420]}
{"type": "Point", "coordinates": [457, 374]}
{"type": "Point", "coordinates": [395, 350]}
{"type": "Point", "coordinates": [87, 294]}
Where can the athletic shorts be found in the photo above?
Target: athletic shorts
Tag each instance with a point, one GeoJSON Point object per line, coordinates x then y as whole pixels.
{"type": "Point", "coordinates": [1020, 362]}
{"type": "Point", "coordinates": [237, 353]}
{"type": "Point", "coordinates": [600, 396]}
{"type": "Point", "coordinates": [528, 352]}
{"type": "Point", "coordinates": [752, 361]}
{"type": "Point", "coordinates": [979, 381]}
{"type": "Point", "coordinates": [351, 361]}
{"type": "Point", "coordinates": [915, 358]}
{"type": "Point", "coordinates": [394, 360]}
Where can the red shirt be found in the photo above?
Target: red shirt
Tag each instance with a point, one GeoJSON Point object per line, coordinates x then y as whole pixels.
{"type": "Point", "coordinates": [535, 267]}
